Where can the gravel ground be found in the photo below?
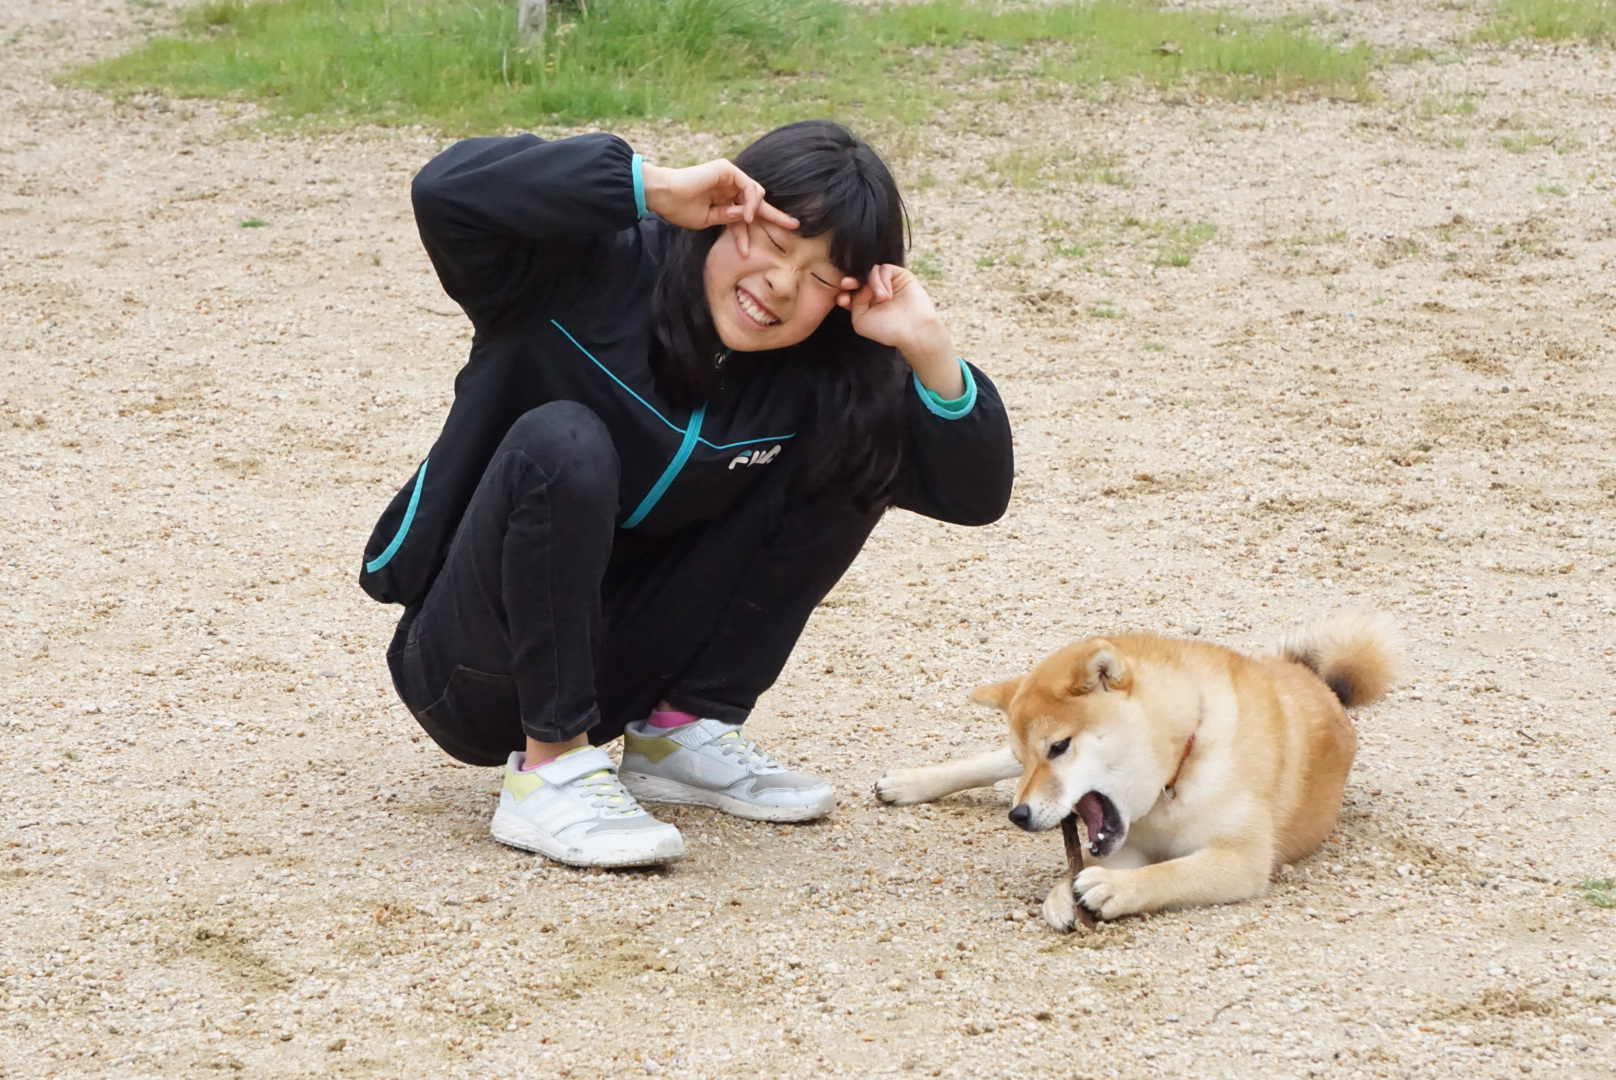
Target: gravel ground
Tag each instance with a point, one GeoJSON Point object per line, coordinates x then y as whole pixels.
{"type": "Point", "coordinates": [1383, 382]}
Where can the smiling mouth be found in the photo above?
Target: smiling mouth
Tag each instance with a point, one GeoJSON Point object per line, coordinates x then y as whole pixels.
{"type": "Point", "coordinates": [1102, 821]}
{"type": "Point", "coordinates": [753, 310]}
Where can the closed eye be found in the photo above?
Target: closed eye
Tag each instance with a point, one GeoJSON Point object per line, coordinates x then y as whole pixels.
{"type": "Point", "coordinates": [1057, 749]}
{"type": "Point", "coordinates": [825, 283]}
{"type": "Point", "coordinates": [773, 241]}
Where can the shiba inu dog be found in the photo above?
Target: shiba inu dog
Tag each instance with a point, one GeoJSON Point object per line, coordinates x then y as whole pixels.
{"type": "Point", "coordinates": [1196, 770]}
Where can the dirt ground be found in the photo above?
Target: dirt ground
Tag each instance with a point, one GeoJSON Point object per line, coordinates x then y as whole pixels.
{"type": "Point", "coordinates": [1382, 381]}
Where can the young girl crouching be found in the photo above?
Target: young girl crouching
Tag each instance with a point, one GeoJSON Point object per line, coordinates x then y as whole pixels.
{"type": "Point", "coordinates": [690, 397]}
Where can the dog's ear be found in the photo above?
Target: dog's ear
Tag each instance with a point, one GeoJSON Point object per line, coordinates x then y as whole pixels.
{"type": "Point", "coordinates": [997, 694]}
{"type": "Point", "coordinates": [1100, 668]}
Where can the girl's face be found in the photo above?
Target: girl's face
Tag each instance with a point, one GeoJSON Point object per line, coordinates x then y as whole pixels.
{"type": "Point", "coordinates": [778, 294]}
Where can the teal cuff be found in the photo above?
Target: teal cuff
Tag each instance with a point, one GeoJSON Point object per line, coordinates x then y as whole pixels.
{"type": "Point", "coordinates": [638, 169]}
{"type": "Point", "coordinates": [950, 410]}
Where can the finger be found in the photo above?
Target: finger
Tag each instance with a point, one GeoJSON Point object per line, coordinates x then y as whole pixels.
{"type": "Point", "coordinates": [850, 284]}
{"type": "Point", "coordinates": [742, 232]}
{"type": "Point", "coordinates": [881, 278]}
{"type": "Point", "coordinates": [747, 196]}
{"type": "Point", "coordinates": [776, 216]}
{"type": "Point", "coordinates": [726, 216]}
{"type": "Point", "coordinates": [735, 186]}
{"type": "Point", "coordinates": [873, 283]}
{"type": "Point", "coordinates": [898, 279]}
{"type": "Point", "coordinates": [716, 187]}
{"type": "Point", "coordinates": [751, 197]}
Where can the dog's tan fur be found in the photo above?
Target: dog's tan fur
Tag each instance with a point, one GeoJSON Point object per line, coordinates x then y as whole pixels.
{"type": "Point", "coordinates": [1260, 785]}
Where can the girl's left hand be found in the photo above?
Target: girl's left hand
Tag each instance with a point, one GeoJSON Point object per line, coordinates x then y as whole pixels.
{"type": "Point", "coordinates": [892, 308]}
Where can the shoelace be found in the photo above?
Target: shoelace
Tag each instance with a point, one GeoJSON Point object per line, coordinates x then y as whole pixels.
{"type": "Point", "coordinates": [602, 790]}
{"type": "Point", "coordinates": [735, 744]}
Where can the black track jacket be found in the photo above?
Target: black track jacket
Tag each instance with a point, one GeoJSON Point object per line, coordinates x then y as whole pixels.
{"type": "Point", "coordinates": [548, 248]}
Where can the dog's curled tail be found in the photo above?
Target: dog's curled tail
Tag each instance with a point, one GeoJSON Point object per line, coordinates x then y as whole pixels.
{"type": "Point", "coordinates": [1358, 655]}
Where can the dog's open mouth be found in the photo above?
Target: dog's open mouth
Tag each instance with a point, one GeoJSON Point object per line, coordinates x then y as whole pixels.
{"type": "Point", "coordinates": [1102, 822]}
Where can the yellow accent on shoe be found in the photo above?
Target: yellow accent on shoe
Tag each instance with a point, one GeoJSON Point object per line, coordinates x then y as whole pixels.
{"type": "Point", "coordinates": [653, 750]}
{"type": "Point", "coordinates": [522, 784]}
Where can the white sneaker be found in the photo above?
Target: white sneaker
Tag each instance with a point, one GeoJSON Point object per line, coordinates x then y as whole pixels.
{"type": "Point", "coordinates": [710, 763]}
{"type": "Point", "coordinates": [573, 810]}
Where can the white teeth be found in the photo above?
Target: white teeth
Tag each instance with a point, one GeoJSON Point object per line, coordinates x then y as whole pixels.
{"type": "Point", "coordinates": [753, 310]}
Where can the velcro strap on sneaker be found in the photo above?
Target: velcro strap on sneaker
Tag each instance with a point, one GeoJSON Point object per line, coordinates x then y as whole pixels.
{"type": "Point", "coordinates": [569, 767]}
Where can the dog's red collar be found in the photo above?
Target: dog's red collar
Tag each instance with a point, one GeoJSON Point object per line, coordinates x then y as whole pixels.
{"type": "Point", "coordinates": [1171, 787]}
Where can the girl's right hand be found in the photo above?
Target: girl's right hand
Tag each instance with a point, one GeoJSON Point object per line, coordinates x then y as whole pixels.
{"type": "Point", "coordinates": [702, 196]}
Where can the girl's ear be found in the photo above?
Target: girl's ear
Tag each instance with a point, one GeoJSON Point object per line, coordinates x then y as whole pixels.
{"type": "Point", "coordinates": [998, 695]}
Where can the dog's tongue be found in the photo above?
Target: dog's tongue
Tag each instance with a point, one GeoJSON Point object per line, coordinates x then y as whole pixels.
{"type": "Point", "coordinates": [1093, 814]}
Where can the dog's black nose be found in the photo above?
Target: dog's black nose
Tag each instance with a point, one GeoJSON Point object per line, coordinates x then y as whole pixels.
{"type": "Point", "coordinates": [1021, 815]}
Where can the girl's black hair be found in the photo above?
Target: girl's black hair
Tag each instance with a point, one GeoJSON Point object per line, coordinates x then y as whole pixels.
{"type": "Point", "coordinates": [831, 182]}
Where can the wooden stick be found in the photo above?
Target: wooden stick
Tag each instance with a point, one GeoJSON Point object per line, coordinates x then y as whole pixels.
{"type": "Point", "coordinates": [1074, 865]}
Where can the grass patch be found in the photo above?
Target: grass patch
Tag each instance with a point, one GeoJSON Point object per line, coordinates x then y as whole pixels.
{"type": "Point", "coordinates": [926, 265]}
{"type": "Point", "coordinates": [1037, 166]}
{"type": "Point", "coordinates": [1600, 892]}
{"type": "Point", "coordinates": [459, 65]}
{"type": "Point", "coordinates": [1316, 239]}
{"type": "Point", "coordinates": [1531, 140]}
{"type": "Point", "coordinates": [1182, 244]}
{"type": "Point", "coordinates": [1175, 242]}
{"type": "Point", "coordinates": [1162, 243]}
{"type": "Point", "coordinates": [254, 223]}
{"type": "Point", "coordinates": [1069, 240]}
{"type": "Point", "coordinates": [1433, 106]}
{"type": "Point", "coordinates": [1593, 21]}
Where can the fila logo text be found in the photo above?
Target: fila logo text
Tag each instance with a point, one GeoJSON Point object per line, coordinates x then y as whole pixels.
{"type": "Point", "coordinates": [755, 457]}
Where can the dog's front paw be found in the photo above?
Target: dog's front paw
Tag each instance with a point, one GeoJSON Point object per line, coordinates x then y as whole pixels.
{"type": "Point", "coordinates": [902, 787]}
{"type": "Point", "coordinates": [1107, 893]}
{"type": "Point", "coordinates": [1060, 907]}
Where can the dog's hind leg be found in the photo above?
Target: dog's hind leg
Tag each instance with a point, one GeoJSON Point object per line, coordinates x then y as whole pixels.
{"type": "Point", "coordinates": [928, 782]}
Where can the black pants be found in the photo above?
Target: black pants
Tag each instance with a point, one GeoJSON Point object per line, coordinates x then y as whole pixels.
{"type": "Point", "coordinates": [548, 621]}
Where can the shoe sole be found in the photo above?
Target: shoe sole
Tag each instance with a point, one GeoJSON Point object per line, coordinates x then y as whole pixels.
{"type": "Point", "coordinates": [515, 833]}
{"type": "Point", "coordinates": [659, 789]}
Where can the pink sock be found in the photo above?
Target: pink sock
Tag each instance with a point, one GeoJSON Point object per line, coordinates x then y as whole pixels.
{"type": "Point", "coordinates": [670, 718]}
{"type": "Point", "coordinates": [529, 766]}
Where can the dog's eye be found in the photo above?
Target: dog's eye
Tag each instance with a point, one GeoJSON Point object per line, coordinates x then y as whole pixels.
{"type": "Point", "coordinates": [1057, 749]}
